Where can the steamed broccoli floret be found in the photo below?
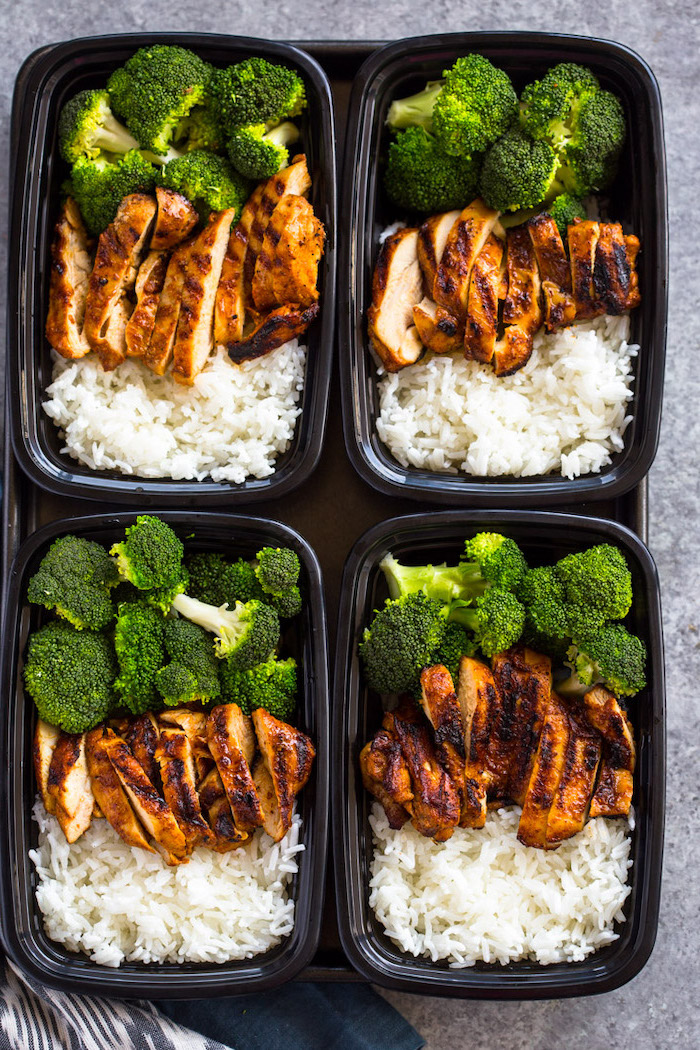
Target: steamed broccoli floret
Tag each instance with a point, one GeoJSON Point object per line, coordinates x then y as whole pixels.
{"type": "Point", "coordinates": [256, 91]}
{"type": "Point", "coordinates": [475, 107]}
{"type": "Point", "coordinates": [138, 641]}
{"type": "Point", "coordinates": [518, 172]}
{"type": "Point", "coordinates": [155, 89]}
{"type": "Point", "coordinates": [496, 622]}
{"type": "Point", "coordinates": [193, 673]}
{"type": "Point", "coordinates": [247, 634]}
{"type": "Point", "coordinates": [150, 557]}
{"type": "Point", "coordinates": [70, 676]}
{"type": "Point", "coordinates": [87, 127]}
{"type": "Point", "coordinates": [75, 578]}
{"type": "Point", "coordinates": [100, 185]}
{"type": "Point", "coordinates": [550, 107]}
{"type": "Point", "coordinates": [590, 160]}
{"type": "Point", "coordinates": [546, 616]}
{"type": "Point", "coordinates": [272, 685]}
{"type": "Point", "coordinates": [258, 151]}
{"type": "Point", "coordinates": [217, 582]}
{"type": "Point", "coordinates": [200, 129]}
{"type": "Point", "coordinates": [500, 560]}
{"type": "Point", "coordinates": [401, 640]}
{"type": "Point", "coordinates": [612, 656]}
{"type": "Point", "coordinates": [207, 180]}
{"type": "Point", "coordinates": [421, 177]}
{"type": "Point", "coordinates": [564, 209]}
{"type": "Point", "coordinates": [454, 645]}
{"type": "Point", "coordinates": [277, 571]}
{"type": "Point", "coordinates": [598, 587]}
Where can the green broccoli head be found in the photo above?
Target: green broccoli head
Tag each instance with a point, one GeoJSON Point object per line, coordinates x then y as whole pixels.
{"type": "Point", "coordinates": [496, 622]}
{"type": "Point", "coordinates": [87, 127]}
{"type": "Point", "coordinates": [598, 587]}
{"type": "Point", "coordinates": [218, 582]}
{"type": "Point", "coordinates": [69, 675]}
{"type": "Point", "coordinates": [546, 616]}
{"type": "Point", "coordinates": [155, 89]}
{"type": "Point", "coordinates": [256, 91]}
{"type": "Point", "coordinates": [591, 159]}
{"type": "Point", "coordinates": [138, 641]}
{"type": "Point", "coordinates": [74, 579]}
{"type": "Point", "coordinates": [421, 177]}
{"type": "Point", "coordinates": [518, 172]}
{"type": "Point", "coordinates": [500, 560]}
{"type": "Point", "coordinates": [272, 685]}
{"type": "Point", "coordinates": [150, 557]}
{"type": "Point", "coordinates": [200, 129]}
{"type": "Point", "coordinates": [191, 650]}
{"type": "Point", "coordinates": [247, 634]}
{"type": "Point", "coordinates": [287, 604]}
{"type": "Point", "coordinates": [475, 107]}
{"type": "Point", "coordinates": [564, 209]}
{"type": "Point", "coordinates": [401, 640]}
{"type": "Point", "coordinates": [610, 655]}
{"type": "Point", "coordinates": [415, 110]}
{"type": "Point", "coordinates": [454, 645]}
{"type": "Point", "coordinates": [100, 185]}
{"type": "Point", "coordinates": [257, 151]}
{"type": "Point", "coordinates": [550, 107]}
{"type": "Point", "coordinates": [277, 569]}
{"type": "Point", "coordinates": [210, 182]}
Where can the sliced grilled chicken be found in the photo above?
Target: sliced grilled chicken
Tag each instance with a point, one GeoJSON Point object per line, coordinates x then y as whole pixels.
{"type": "Point", "coordinates": [286, 270]}
{"type": "Point", "coordinates": [70, 275]}
{"type": "Point", "coordinates": [142, 735]}
{"type": "Point", "coordinates": [232, 743]}
{"type": "Point", "coordinates": [152, 810]}
{"type": "Point", "coordinates": [149, 284]}
{"type": "Point", "coordinates": [397, 286]}
{"type": "Point", "coordinates": [524, 682]}
{"type": "Point", "coordinates": [611, 271]}
{"type": "Point", "coordinates": [215, 806]}
{"type": "Point", "coordinates": [583, 242]}
{"type": "Point", "coordinates": [547, 768]}
{"type": "Point", "coordinates": [119, 252]}
{"type": "Point", "coordinates": [632, 246]}
{"type": "Point", "coordinates": [486, 289]}
{"type": "Point", "coordinates": [555, 273]}
{"type": "Point", "coordinates": [68, 784]}
{"type": "Point", "coordinates": [437, 330]}
{"type": "Point", "coordinates": [522, 310]}
{"type": "Point", "coordinates": [45, 740]}
{"type": "Point", "coordinates": [229, 305]}
{"type": "Point", "coordinates": [441, 708]}
{"type": "Point", "coordinates": [572, 798]}
{"type": "Point", "coordinates": [287, 755]}
{"type": "Point", "coordinates": [479, 704]}
{"type": "Point", "coordinates": [465, 240]}
{"type": "Point", "coordinates": [385, 775]}
{"type": "Point", "coordinates": [175, 220]}
{"type": "Point", "coordinates": [268, 332]}
{"type": "Point", "coordinates": [194, 724]}
{"type": "Point", "coordinates": [435, 807]}
{"type": "Point", "coordinates": [432, 238]}
{"type": "Point", "coordinates": [194, 339]}
{"type": "Point", "coordinates": [158, 354]}
{"type": "Point", "coordinates": [177, 771]}
{"type": "Point", "coordinates": [293, 179]}
{"type": "Point", "coordinates": [613, 794]}
{"type": "Point", "coordinates": [110, 794]}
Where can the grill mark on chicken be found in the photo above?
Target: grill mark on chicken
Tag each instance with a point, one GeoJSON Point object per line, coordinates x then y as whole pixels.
{"type": "Point", "coordinates": [611, 271]}
{"type": "Point", "coordinates": [142, 735]}
{"type": "Point", "coordinates": [555, 272]}
{"type": "Point", "coordinates": [546, 774]}
{"type": "Point", "coordinates": [485, 291]}
{"type": "Point", "coordinates": [68, 784]}
{"type": "Point", "coordinates": [176, 762]}
{"type": "Point", "coordinates": [465, 241]}
{"type": "Point", "coordinates": [567, 814]}
{"type": "Point", "coordinates": [175, 220]}
{"type": "Point", "coordinates": [436, 803]}
{"type": "Point", "coordinates": [69, 280]}
{"type": "Point", "coordinates": [228, 734]}
{"type": "Point", "coordinates": [110, 794]}
{"type": "Point", "coordinates": [522, 311]}
{"type": "Point", "coordinates": [385, 775]}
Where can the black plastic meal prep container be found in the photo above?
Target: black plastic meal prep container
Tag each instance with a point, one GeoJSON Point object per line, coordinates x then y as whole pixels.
{"type": "Point", "coordinates": [305, 638]}
{"type": "Point", "coordinates": [544, 537]}
{"type": "Point", "coordinates": [47, 79]}
{"type": "Point", "coordinates": [637, 199]}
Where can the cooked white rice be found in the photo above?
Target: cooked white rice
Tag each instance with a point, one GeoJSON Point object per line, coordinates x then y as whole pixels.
{"type": "Point", "coordinates": [565, 411]}
{"type": "Point", "coordinates": [115, 902]}
{"type": "Point", "coordinates": [482, 896]}
{"type": "Point", "coordinates": [231, 424]}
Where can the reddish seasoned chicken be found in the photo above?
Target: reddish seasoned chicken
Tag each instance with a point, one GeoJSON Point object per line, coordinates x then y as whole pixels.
{"type": "Point", "coordinates": [110, 794]}
{"type": "Point", "coordinates": [215, 806]}
{"type": "Point", "coordinates": [142, 735]}
{"type": "Point", "coordinates": [432, 238]}
{"type": "Point", "coordinates": [612, 274]}
{"type": "Point", "coordinates": [158, 354]}
{"type": "Point", "coordinates": [613, 795]}
{"type": "Point", "coordinates": [486, 289]}
{"type": "Point", "coordinates": [523, 681]}
{"type": "Point", "coordinates": [194, 723]}
{"type": "Point", "coordinates": [583, 242]}
{"type": "Point", "coordinates": [441, 708]}
{"type": "Point", "coordinates": [69, 786]}
{"type": "Point", "coordinates": [397, 286]}
{"type": "Point", "coordinates": [465, 240]}
{"type": "Point", "coordinates": [232, 743]}
{"type": "Point", "coordinates": [287, 756]}
{"type": "Point", "coordinates": [175, 220]}
{"type": "Point", "coordinates": [70, 274]}
{"type": "Point", "coordinates": [177, 772]}
{"type": "Point", "coordinates": [385, 775]}
{"type": "Point", "coordinates": [268, 332]}
{"type": "Point", "coordinates": [632, 247]}
{"type": "Point", "coordinates": [293, 179]}
{"type": "Point", "coordinates": [230, 303]}
{"type": "Point", "coordinates": [522, 310]}
{"type": "Point", "coordinates": [286, 270]}
{"type": "Point", "coordinates": [436, 803]}
{"type": "Point", "coordinates": [572, 798]}
{"type": "Point", "coordinates": [559, 306]}
{"type": "Point", "coordinates": [45, 740]}
{"type": "Point", "coordinates": [544, 780]}
{"type": "Point", "coordinates": [149, 284]}
{"type": "Point", "coordinates": [437, 329]}
{"type": "Point", "coordinates": [479, 704]}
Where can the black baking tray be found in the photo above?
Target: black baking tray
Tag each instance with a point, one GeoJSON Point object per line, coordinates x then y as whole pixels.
{"type": "Point", "coordinates": [45, 81]}
{"type": "Point", "coordinates": [638, 199]}
{"type": "Point", "coordinates": [305, 638]}
{"type": "Point", "coordinates": [544, 537]}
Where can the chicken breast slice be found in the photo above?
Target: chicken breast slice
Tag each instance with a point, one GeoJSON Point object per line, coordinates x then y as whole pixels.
{"type": "Point", "coordinates": [149, 284]}
{"type": "Point", "coordinates": [613, 793]}
{"type": "Point", "coordinates": [397, 286]}
{"type": "Point", "coordinates": [612, 274]}
{"type": "Point", "coordinates": [158, 354]}
{"type": "Point", "coordinates": [523, 680]}
{"type": "Point", "coordinates": [437, 329]}
{"type": "Point", "coordinates": [69, 280]}
{"type": "Point", "coordinates": [45, 740]}
{"type": "Point", "coordinates": [119, 252]}
{"type": "Point", "coordinates": [288, 755]}
{"type": "Point", "coordinates": [142, 735]}
{"type": "Point", "coordinates": [441, 708]}
{"type": "Point", "coordinates": [194, 723]}
{"type": "Point", "coordinates": [286, 270]}
{"type": "Point", "coordinates": [293, 179]}
{"type": "Point", "coordinates": [583, 241]}
{"type": "Point", "coordinates": [232, 743]}
{"type": "Point", "coordinates": [479, 704]}
{"type": "Point", "coordinates": [175, 220]}
{"type": "Point", "coordinates": [555, 273]}
{"type": "Point", "coordinates": [572, 798]}
{"type": "Point", "coordinates": [546, 774]}
{"type": "Point", "coordinates": [487, 287]}
{"type": "Point", "coordinates": [194, 340]}
{"type": "Point", "coordinates": [522, 309]}
{"type": "Point", "coordinates": [215, 806]}
{"type": "Point", "coordinates": [177, 772]}
{"type": "Point", "coordinates": [385, 775]}
{"type": "Point", "coordinates": [110, 794]}
{"type": "Point", "coordinates": [273, 330]}
{"type": "Point", "coordinates": [465, 241]}
{"type": "Point", "coordinates": [432, 238]}
{"type": "Point", "coordinates": [230, 302]}
{"type": "Point", "coordinates": [69, 786]}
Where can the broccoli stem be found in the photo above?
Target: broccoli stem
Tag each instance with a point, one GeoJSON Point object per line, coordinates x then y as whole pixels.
{"type": "Point", "coordinates": [284, 134]}
{"type": "Point", "coordinates": [114, 138]}
{"type": "Point", "coordinates": [415, 110]}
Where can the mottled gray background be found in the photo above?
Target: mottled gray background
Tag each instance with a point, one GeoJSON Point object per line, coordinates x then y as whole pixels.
{"type": "Point", "coordinates": [660, 1008]}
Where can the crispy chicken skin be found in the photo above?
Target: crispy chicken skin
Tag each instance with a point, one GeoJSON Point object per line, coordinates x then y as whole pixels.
{"type": "Point", "coordinates": [232, 744]}
{"type": "Point", "coordinates": [583, 242]}
{"type": "Point", "coordinates": [572, 798]}
{"type": "Point", "coordinates": [432, 238]}
{"type": "Point", "coordinates": [158, 354]}
{"type": "Point", "coordinates": [613, 794]}
{"type": "Point", "coordinates": [479, 704]}
{"type": "Point", "coordinates": [68, 784]}
{"type": "Point", "coordinates": [45, 740]}
{"type": "Point", "coordinates": [436, 803]}
{"type": "Point", "coordinates": [522, 310]}
{"type": "Point", "coordinates": [286, 270]}
{"type": "Point", "coordinates": [278, 327]}
{"type": "Point", "coordinates": [486, 289]}
{"type": "Point", "coordinates": [142, 734]}
{"type": "Point", "coordinates": [287, 755]}
{"type": "Point", "coordinates": [524, 681]}
{"type": "Point", "coordinates": [546, 774]}
{"type": "Point", "coordinates": [397, 286]}
{"type": "Point", "coordinates": [194, 339]}
{"type": "Point", "coordinates": [110, 794]}
{"type": "Point", "coordinates": [70, 275]}
{"type": "Point", "coordinates": [149, 284]}
{"type": "Point", "coordinates": [119, 251]}
{"type": "Point", "coordinates": [177, 772]}
{"type": "Point", "coordinates": [175, 220]}
{"type": "Point", "coordinates": [465, 240]}
{"type": "Point", "coordinates": [215, 806]}
{"type": "Point", "coordinates": [385, 775]}
{"type": "Point", "coordinates": [559, 306]}
{"type": "Point", "coordinates": [152, 810]}
{"type": "Point", "coordinates": [437, 330]}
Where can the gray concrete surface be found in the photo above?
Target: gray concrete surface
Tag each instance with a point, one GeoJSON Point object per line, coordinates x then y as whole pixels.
{"type": "Point", "coordinates": [661, 1007]}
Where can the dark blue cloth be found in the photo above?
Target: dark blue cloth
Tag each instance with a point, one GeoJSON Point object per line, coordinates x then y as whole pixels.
{"type": "Point", "coordinates": [299, 1016]}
